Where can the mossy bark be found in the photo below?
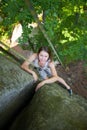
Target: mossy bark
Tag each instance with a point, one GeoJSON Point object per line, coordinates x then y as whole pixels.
{"type": "Point", "coordinates": [53, 109]}
{"type": "Point", "coordinates": [16, 87]}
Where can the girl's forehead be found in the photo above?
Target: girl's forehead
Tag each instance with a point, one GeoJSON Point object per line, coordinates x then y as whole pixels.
{"type": "Point", "coordinates": [44, 52]}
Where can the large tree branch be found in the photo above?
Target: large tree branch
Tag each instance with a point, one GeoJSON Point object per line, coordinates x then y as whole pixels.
{"type": "Point", "coordinates": [31, 8]}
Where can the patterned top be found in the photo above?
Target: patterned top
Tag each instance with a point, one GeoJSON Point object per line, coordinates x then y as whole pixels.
{"type": "Point", "coordinates": [45, 71]}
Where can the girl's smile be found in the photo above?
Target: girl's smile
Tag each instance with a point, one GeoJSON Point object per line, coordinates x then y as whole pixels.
{"type": "Point", "coordinates": [43, 57]}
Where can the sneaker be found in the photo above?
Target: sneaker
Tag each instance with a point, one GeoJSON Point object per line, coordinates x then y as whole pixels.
{"type": "Point", "coordinates": [70, 91]}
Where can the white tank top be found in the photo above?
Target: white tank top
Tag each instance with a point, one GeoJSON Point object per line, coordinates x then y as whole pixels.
{"type": "Point", "coordinates": [45, 71]}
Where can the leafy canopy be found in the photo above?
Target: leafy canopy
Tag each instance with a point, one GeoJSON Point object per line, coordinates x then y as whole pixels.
{"type": "Point", "coordinates": [64, 22]}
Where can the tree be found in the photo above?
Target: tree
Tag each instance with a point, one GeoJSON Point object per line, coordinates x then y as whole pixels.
{"type": "Point", "coordinates": [64, 22]}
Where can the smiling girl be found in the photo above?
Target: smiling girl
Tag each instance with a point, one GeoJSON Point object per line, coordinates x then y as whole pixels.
{"type": "Point", "coordinates": [42, 62]}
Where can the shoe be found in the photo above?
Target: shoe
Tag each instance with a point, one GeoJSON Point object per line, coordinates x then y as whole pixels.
{"type": "Point", "coordinates": [70, 91]}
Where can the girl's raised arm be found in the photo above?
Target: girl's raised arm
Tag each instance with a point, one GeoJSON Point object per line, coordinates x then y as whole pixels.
{"type": "Point", "coordinates": [25, 65]}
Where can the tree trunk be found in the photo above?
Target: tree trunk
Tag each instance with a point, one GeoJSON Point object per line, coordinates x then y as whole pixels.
{"type": "Point", "coordinates": [30, 6]}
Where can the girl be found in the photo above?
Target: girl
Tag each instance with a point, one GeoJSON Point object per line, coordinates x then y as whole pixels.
{"type": "Point", "coordinates": [43, 63]}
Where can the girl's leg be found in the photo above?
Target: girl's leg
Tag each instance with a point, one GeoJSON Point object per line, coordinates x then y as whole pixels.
{"type": "Point", "coordinates": [63, 82]}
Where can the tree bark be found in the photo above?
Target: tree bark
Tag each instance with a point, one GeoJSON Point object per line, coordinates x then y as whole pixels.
{"type": "Point", "coordinates": [31, 8]}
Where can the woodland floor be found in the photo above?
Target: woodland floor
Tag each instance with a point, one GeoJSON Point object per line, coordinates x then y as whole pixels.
{"type": "Point", "coordinates": [76, 76]}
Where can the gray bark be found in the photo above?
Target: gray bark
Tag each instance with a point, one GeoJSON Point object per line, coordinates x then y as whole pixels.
{"type": "Point", "coordinates": [53, 109]}
{"type": "Point", "coordinates": [16, 87]}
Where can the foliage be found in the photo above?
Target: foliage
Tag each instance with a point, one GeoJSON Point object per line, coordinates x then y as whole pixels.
{"type": "Point", "coordinates": [12, 12]}
{"type": "Point", "coordinates": [66, 25]}
{"type": "Point", "coordinates": [64, 22]}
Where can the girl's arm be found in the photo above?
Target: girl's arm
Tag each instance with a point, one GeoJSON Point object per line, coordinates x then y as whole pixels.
{"type": "Point", "coordinates": [49, 80]}
{"type": "Point", "coordinates": [53, 79]}
{"type": "Point", "coordinates": [25, 65]}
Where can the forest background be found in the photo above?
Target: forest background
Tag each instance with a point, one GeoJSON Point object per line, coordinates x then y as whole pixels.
{"type": "Point", "coordinates": [65, 23]}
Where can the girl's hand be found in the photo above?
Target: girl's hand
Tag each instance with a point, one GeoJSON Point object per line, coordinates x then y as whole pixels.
{"type": "Point", "coordinates": [39, 85]}
{"type": "Point", "coordinates": [35, 76]}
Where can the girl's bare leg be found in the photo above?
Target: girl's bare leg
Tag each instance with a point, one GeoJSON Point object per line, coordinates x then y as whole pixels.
{"type": "Point", "coordinates": [63, 82]}
{"type": "Point", "coordinates": [59, 79]}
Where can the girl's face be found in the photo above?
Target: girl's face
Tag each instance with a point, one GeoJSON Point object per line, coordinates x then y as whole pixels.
{"type": "Point", "coordinates": [43, 57]}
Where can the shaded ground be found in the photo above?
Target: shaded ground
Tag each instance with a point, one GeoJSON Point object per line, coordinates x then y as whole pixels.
{"type": "Point", "coordinates": [76, 76]}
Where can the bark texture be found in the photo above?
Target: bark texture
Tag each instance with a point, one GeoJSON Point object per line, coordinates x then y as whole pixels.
{"type": "Point", "coordinates": [16, 87]}
{"type": "Point", "coordinates": [52, 108]}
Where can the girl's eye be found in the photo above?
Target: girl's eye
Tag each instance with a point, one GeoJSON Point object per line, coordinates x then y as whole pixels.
{"type": "Point", "coordinates": [41, 55]}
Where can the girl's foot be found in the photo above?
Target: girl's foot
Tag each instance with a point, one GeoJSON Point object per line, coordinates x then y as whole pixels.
{"type": "Point", "coordinates": [70, 91]}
